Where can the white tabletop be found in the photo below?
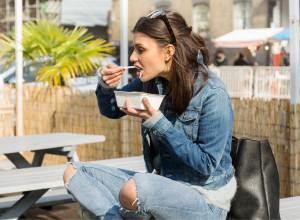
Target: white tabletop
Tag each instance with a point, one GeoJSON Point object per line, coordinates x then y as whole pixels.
{"type": "Point", "coordinates": [45, 141]}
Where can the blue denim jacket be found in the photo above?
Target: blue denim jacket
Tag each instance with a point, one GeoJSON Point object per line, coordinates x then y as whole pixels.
{"type": "Point", "coordinates": [194, 145]}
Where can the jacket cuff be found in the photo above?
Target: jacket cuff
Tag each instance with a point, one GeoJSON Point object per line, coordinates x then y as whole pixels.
{"type": "Point", "coordinates": [150, 122]}
{"type": "Point", "coordinates": [100, 80]}
{"type": "Point", "coordinates": [157, 124]}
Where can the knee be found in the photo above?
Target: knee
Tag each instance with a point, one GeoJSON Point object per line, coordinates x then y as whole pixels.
{"type": "Point", "coordinates": [69, 172]}
{"type": "Point", "coordinates": [128, 195]}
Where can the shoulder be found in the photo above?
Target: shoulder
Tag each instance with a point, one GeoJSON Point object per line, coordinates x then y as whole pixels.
{"type": "Point", "coordinates": [213, 83]}
{"type": "Point", "coordinates": [214, 89]}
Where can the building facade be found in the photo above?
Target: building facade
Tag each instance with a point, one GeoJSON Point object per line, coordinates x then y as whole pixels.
{"type": "Point", "coordinates": [32, 10]}
{"type": "Point", "coordinates": [209, 18]}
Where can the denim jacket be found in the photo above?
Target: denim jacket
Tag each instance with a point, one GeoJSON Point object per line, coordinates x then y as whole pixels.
{"type": "Point", "coordinates": [194, 145]}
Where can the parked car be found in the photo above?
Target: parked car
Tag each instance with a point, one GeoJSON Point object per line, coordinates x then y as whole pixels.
{"type": "Point", "coordinates": [108, 60]}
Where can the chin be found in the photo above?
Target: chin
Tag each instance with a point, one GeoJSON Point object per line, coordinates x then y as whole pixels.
{"type": "Point", "coordinates": [144, 78]}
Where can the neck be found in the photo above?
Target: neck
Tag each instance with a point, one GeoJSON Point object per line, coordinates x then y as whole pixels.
{"type": "Point", "coordinates": [167, 74]}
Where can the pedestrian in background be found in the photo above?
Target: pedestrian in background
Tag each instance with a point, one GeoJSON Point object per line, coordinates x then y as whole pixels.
{"type": "Point", "coordinates": [220, 58]}
{"type": "Point", "coordinates": [240, 61]}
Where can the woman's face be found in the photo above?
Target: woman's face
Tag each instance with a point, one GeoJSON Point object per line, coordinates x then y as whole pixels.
{"type": "Point", "coordinates": [149, 58]}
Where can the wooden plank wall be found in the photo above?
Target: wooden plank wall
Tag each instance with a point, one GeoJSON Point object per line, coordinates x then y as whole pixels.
{"type": "Point", "coordinates": [7, 111]}
{"type": "Point", "coordinates": [62, 109]}
{"type": "Point", "coordinates": [279, 122]}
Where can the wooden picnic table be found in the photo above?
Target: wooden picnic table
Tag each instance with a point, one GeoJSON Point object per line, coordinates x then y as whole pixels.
{"type": "Point", "coordinates": [52, 143]}
{"type": "Point", "coordinates": [38, 184]}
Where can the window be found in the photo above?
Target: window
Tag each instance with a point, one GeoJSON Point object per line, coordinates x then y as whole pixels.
{"type": "Point", "coordinates": [242, 14]}
{"type": "Point", "coordinates": [162, 5]}
{"type": "Point", "coordinates": [201, 19]}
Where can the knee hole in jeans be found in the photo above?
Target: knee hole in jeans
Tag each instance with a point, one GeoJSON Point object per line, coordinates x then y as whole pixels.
{"type": "Point", "coordinates": [69, 172]}
{"type": "Point", "coordinates": [128, 195]}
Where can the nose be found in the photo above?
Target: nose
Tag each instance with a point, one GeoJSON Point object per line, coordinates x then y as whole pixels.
{"type": "Point", "coordinates": [133, 57]}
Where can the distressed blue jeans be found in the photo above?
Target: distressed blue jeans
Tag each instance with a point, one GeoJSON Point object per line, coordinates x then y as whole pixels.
{"type": "Point", "coordinates": [96, 188]}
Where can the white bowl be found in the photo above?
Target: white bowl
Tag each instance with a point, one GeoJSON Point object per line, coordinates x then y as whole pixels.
{"type": "Point", "coordinates": [135, 99]}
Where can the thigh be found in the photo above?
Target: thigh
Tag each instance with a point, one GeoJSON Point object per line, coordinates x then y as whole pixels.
{"type": "Point", "coordinates": [110, 177]}
{"type": "Point", "coordinates": [168, 199]}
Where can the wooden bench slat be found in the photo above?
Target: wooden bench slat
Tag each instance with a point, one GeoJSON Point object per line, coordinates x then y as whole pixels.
{"type": "Point", "coordinates": [290, 208]}
{"type": "Point", "coordinates": [35, 178]}
{"type": "Point", "coordinates": [20, 180]}
{"type": "Point", "coordinates": [54, 196]}
{"type": "Point", "coordinates": [293, 215]}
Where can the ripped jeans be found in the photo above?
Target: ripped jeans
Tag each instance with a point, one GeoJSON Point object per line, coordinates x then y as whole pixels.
{"type": "Point", "coordinates": [96, 187]}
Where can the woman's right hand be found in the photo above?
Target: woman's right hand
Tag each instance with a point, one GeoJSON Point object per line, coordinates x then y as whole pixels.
{"type": "Point", "coordinates": [111, 74]}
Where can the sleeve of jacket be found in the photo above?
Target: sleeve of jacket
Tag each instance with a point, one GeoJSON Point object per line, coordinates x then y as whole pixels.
{"type": "Point", "coordinates": [215, 127]}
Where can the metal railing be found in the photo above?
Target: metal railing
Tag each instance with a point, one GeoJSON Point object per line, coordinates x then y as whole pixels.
{"type": "Point", "coordinates": [265, 82]}
{"type": "Point", "coordinates": [272, 82]}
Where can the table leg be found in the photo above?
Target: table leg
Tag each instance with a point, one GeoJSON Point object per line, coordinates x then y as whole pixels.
{"type": "Point", "coordinates": [38, 158]}
{"type": "Point", "coordinates": [23, 204]}
{"type": "Point", "coordinates": [18, 160]}
{"type": "Point", "coordinates": [72, 155]}
{"type": "Point", "coordinates": [68, 151]}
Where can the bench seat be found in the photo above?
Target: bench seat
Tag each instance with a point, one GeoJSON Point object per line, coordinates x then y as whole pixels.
{"type": "Point", "coordinates": [36, 178]}
{"type": "Point", "coordinates": [54, 196]}
{"type": "Point", "coordinates": [50, 177]}
{"type": "Point", "coordinates": [290, 208]}
{"type": "Point", "coordinates": [20, 180]}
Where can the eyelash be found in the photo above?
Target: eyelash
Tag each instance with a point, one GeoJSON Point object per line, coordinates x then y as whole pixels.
{"type": "Point", "coordinates": [140, 50]}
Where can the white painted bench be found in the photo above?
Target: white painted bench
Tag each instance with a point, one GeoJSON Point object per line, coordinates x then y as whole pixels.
{"type": "Point", "coordinates": [290, 208]}
{"type": "Point", "coordinates": [36, 181]}
{"type": "Point", "coordinates": [54, 196]}
{"type": "Point", "coordinates": [43, 178]}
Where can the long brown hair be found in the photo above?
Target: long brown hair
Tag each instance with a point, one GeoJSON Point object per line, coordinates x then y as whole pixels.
{"type": "Point", "coordinates": [184, 65]}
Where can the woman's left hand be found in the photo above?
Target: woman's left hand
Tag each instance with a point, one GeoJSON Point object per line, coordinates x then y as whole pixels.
{"type": "Point", "coordinates": [144, 114]}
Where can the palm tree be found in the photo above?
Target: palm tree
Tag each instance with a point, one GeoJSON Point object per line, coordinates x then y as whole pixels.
{"type": "Point", "coordinates": [65, 53]}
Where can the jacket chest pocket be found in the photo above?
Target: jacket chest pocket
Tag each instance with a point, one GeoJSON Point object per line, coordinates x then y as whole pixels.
{"type": "Point", "coordinates": [187, 122]}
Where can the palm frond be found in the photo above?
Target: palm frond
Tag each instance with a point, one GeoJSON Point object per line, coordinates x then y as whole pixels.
{"type": "Point", "coordinates": [72, 52]}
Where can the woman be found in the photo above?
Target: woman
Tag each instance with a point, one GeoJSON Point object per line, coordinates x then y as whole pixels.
{"type": "Point", "coordinates": [186, 144]}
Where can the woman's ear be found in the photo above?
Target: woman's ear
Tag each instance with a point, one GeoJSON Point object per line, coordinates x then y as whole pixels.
{"type": "Point", "coordinates": [169, 51]}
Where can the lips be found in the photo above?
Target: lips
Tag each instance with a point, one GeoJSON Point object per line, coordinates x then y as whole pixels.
{"type": "Point", "coordinates": [138, 71]}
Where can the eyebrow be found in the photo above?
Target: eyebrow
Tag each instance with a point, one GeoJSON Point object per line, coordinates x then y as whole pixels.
{"type": "Point", "coordinates": [138, 44]}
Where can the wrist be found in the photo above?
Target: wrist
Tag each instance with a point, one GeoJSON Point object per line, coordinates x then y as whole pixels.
{"type": "Point", "coordinates": [100, 79]}
{"type": "Point", "coordinates": [150, 122]}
